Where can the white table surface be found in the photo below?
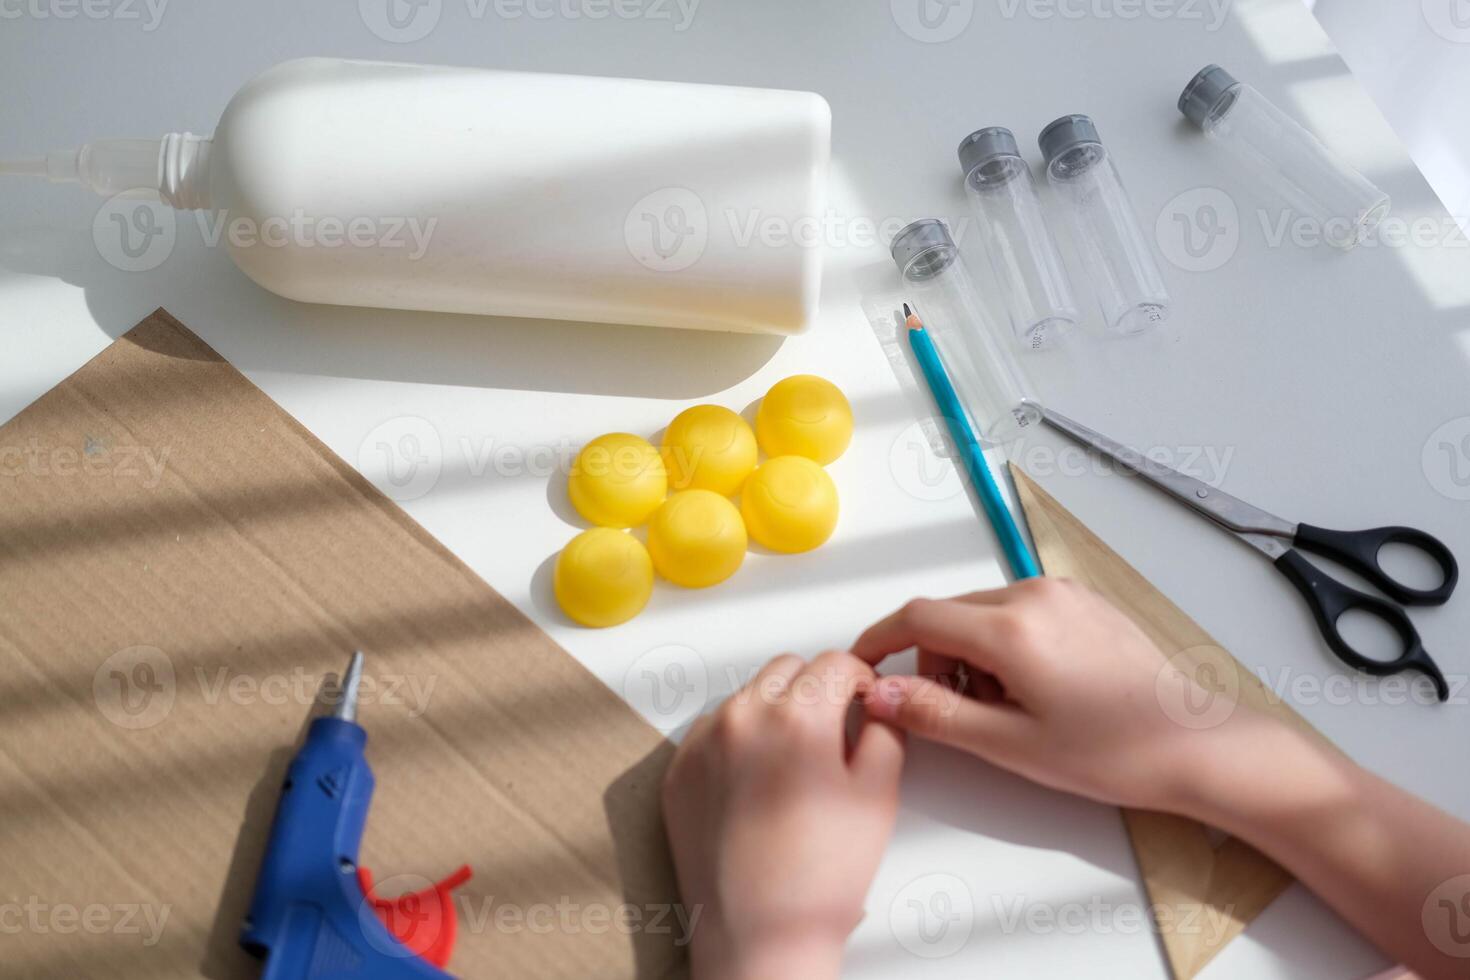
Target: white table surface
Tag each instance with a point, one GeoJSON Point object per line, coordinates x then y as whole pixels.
{"type": "Point", "coordinates": [1334, 385]}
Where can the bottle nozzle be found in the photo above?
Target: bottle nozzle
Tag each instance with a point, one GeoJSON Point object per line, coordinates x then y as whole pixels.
{"type": "Point", "coordinates": [351, 679]}
{"type": "Point", "coordinates": [175, 167]}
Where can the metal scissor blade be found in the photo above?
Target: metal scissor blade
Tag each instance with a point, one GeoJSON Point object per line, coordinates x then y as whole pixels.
{"type": "Point", "coordinates": [1219, 506]}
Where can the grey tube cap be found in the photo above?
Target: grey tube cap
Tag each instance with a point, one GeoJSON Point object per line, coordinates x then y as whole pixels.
{"type": "Point", "coordinates": [923, 249]}
{"type": "Point", "coordinates": [1204, 92]}
{"type": "Point", "coordinates": [1060, 135]}
{"type": "Point", "coordinates": [986, 144]}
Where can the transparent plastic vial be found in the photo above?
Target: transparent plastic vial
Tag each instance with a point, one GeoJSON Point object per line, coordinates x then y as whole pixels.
{"type": "Point", "coordinates": [1115, 250]}
{"type": "Point", "coordinates": [1286, 159]}
{"type": "Point", "coordinates": [1017, 243]}
{"type": "Point", "coordinates": [991, 384]}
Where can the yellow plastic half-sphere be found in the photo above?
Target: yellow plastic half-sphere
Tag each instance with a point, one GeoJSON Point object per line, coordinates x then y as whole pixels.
{"type": "Point", "coordinates": [708, 447]}
{"type": "Point", "coordinates": [804, 415]}
{"type": "Point", "coordinates": [617, 480]}
{"type": "Point", "coordinates": [789, 504]}
{"type": "Point", "coordinates": [603, 577]}
{"type": "Point", "coordinates": [697, 539]}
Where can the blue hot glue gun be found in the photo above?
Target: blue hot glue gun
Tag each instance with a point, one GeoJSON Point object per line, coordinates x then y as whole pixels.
{"type": "Point", "coordinates": [313, 914]}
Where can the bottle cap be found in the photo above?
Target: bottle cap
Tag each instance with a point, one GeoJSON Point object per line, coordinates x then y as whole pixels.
{"type": "Point", "coordinates": [1204, 92]}
{"type": "Point", "coordinates": [923, 249]}
{"type": "Point", "coordinates": [984, 145]}
{"type": "Point", "coordinates": [1060, 135]}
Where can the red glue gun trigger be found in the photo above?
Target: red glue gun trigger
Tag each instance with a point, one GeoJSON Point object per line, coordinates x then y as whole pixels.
{"type": "Point", "coordinates": [425, 921]}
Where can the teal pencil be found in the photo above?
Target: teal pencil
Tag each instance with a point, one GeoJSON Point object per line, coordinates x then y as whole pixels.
{"type": "Point", "coordinates": [1022, 562]}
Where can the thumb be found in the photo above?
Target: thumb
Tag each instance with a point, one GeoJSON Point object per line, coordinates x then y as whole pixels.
{"type": "Point", "coordinates": [935, 712]}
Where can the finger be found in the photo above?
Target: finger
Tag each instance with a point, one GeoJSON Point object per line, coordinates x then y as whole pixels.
{"type": "Point", "coordinates": [926, 709]}
{"type": "Point", "coordinates": [835, 677]}
{"type": "Point", "coordinates": [962, 630]}
{"type": "Point", "coordinates": [877, 756]}
{"type": "Point", "coordinates": [770, 683]}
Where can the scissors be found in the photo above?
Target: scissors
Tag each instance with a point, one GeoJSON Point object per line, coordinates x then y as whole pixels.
{"type": "Point", "coordinates": [1328, 598]}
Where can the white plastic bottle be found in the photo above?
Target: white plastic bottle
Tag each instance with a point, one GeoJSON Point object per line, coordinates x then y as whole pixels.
{"type": "Point", "coordinates": [469, 190]}
{"type": "Point", "coordinates": [1017, 243]}
{"type": "Point", "coordinates": [1274, 149]}
{"type": "Point", "coordinates": [1122, 268]}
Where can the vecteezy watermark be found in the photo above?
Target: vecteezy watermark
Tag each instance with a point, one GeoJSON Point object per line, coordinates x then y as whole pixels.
{"type": "Point", "coordinates": [40, 917]}
{"type": "Point", "coordinates": [406, 456]}
{"type": "Point", "coordinates": [137, 688]}
{"type": "Point", "coordinates": [933, 915]}
{"type": "Point", "coordinates": [403, 457]}
{"type": "Point", "coordinates": [1339, 687]}
{"type": "Point", "coordinates": [567, 916]}
{"type": "Point", "coordinates": [1209, 464]}
{"type": "Point", "coordinates": [147, 14]}
{"type": "Point", "coordinates": [1446, 917]}
{"type": "Point", "coordinates": [667, 230]}
{"type": "Point", "coordinates": [1210, 14]}
{"type": "Point", "coordinates": [918, 467]}
{"type": "Point", "coordinates": [1100, 916]}
{"type": "Point", "coordinates": [668, 685]}
{"type": "Point", "coordinates": [1199, 230]}
{"type": "Point", "coordinates": [932, 21]}
{"type": "Point", "coordinates": [406, 21]}
{"type": "Point", "coordinates": [1446, 458]}
{"type": "Point", "coordinates": [135, 233]}
{"type": "Point", "coordinates": [1199, 687]}
{"type": "Point", "coordinates": [1450, 19]}
{"type": "Point", "coordinates": [98, 457]}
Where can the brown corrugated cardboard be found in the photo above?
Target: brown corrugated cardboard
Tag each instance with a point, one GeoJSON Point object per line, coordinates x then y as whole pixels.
{"type": "Point", "coordinates": [181, 567]}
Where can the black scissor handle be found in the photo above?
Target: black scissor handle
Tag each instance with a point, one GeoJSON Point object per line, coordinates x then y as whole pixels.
{"type": "Point", "coordinates": [1329, 599]}
{"type": "Point", "coordinates": [1358, 550]}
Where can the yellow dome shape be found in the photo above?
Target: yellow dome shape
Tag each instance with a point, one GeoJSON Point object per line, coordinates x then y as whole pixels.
{"type": "Point", "coordinates": [697, 539]}
{"type": "Point", "coordinates": [708, 447]}
{"type": "Point", "coordinates": [804, 415]}
{"type": "Point", "coordinates": [789, 504]}
{"type": "Point", "coordinates": [617, 480]}
{"type": "Point", "coordinates": [603, 577]}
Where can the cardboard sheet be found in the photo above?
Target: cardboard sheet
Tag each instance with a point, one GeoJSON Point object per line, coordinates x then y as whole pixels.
{"type": "Point", "coordinates": [182, 566]}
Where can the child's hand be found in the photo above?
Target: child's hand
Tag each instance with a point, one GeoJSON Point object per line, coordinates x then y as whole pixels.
{"type": "Point", "coordinates": [776, 825]}
{"type": "Point", "coordinates": [1064, 689]}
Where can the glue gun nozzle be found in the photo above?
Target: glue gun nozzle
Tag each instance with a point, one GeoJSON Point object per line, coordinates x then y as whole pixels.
{"type": "Point", "coordinates": [351, 678]}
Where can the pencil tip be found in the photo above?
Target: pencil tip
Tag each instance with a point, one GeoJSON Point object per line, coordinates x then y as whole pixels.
{"type": "Point", "coordinates": [907, 311]}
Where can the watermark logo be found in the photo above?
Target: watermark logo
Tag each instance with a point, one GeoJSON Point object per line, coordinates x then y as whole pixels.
{"type": "Point", "coordinates": [400, 21]}
{"type": "Point", "coordinates": [668, 230]}
{"type": "Point", "coordinates": [403, 457]}
{"type": "Point", "coordinates": [1446, 917]}
{"type": "Point", "coordinates": [44, 918]}
{"type": "Point", "coordinates": [148, 14]}
{"type": "Point", "coordinates": [933, 916]}
{"type": "Point", "coordinates": [932, 21]}
{"type": "Point", "coordinates": [668, 685]}
{"type": "Point", "coordinates": [134, 234]}
{"type": "Point", "coordinates": [1198, 688]}
{"type": "Point", "coordinates": [412, 920]}
{"type": "Point", "coordinates": [1211, 14]}
{"type": "Point", "coordinates": [1450, 19]}
{"type": "Point", "coordinates": [1199, 230]}
{"type": "Point", "coordinates": [135, 687]}
{"type": "Point", "coordinates": [919, 470]}
{"type": "Point", "coordinates": [1446, 459]}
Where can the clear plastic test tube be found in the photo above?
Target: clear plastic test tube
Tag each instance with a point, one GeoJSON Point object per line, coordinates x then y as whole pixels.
{"type": "Point", "coordinates": [1276, 151]}
{"type": "Point", "coordinates": [991, 384]}
{"type": "Point", "coordinates": [1120, 264]}
{"type": "Point", "coordinates": [1016, 241]}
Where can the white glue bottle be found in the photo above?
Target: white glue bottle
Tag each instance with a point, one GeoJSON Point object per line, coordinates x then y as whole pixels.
{"type": "Point", "coordinates": [468, 190]}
